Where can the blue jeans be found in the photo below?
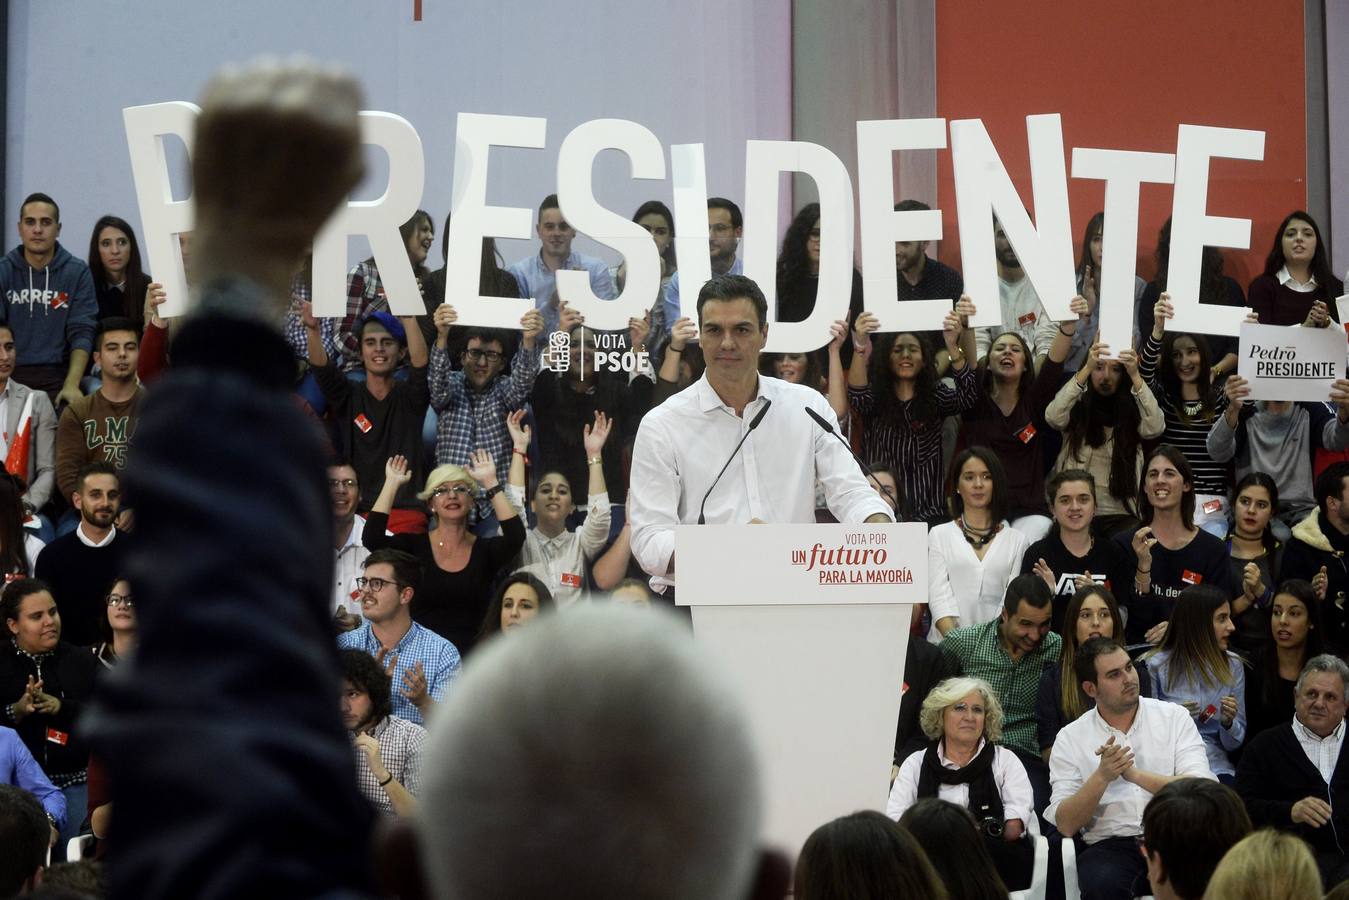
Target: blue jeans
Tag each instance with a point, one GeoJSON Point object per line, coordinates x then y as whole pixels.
{"type": "Point", "coordinates": [77, 810]}
{"type": "Point", "coordinates": [1112, 869]}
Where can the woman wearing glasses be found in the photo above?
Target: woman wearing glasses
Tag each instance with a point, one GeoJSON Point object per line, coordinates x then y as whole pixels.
{"type": "Point", "coordinates": [458, 567]}
{"type": "Point", "coordinates": [558, 556]}
{"type": "Point", "coordinates": [117, 627]}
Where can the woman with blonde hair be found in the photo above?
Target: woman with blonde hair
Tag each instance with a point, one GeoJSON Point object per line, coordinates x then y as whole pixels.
{"type": "Point", "coordinates": [1266, 865]}
{"type": "Point", "coordinates": [965, 766]}
{"type": "Point", "coordinates": [458, 568]}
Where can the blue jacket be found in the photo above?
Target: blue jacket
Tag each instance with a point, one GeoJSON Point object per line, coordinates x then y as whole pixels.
{"type": "Point", "coordinates": [64, 291]}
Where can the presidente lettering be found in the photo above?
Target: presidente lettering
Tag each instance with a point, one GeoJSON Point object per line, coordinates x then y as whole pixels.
{"type": "Point", "coordinates": [1281, 362]}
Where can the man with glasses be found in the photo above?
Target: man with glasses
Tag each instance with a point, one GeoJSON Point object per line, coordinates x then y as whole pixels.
{"type": "Point", "coordinates": [724, 227]}
{"type": "Point", "coordinates": [420, 662]}
{"type": "Point", "coordinates": [472, 403]}
{"type": "Point", "coordinates": [382, 415]}
{"type": "Point", "coordinates": [348, 552]}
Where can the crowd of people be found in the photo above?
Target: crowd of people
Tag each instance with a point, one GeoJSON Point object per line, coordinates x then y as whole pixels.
{"type": "Point", "coordinates": [1136, 584]}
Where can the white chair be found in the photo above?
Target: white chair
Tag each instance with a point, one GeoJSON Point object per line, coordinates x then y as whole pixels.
{"type": "Point", "coordinates": [1071, 890]}
{"type": "Point", "coordinates": [76, 847]}
{"type": "Point", "coordinates": [1039, 875]}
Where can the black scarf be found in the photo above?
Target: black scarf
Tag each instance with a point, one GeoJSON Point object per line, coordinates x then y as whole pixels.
{"type": "Point", "coordinates": [985, 802]}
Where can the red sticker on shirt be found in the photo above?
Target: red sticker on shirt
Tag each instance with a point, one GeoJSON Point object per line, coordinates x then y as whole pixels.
{"type": "Point", "coordinates": [355, 594]}
{"type": "Point", "coordinates": [1026, 433]}
{"type": "Point", "coordinates": [363, 423]}
{"type": "Point", "coordinates": [570, 579]}
{"type": "Point", "coordinates": [1191, 577]}
{"type": "Point", "coordinates": [57, 737]}
{"type": "Point", "coordinates": [904, 690]}
{"type": "Point", "coordinates": [1027, 319]}
{"type": "Point", "coordinates": [1212, 506]}
{"type": "Point", "coordinates": [60, 300]}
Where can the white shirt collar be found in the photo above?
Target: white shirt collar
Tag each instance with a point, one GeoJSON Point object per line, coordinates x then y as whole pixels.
{"type": "Point", "coordinates": [89, 542]}
{"type": "Point", "coordinates": [708, 399]}
{"type": "Point", "coordinates": [1284, 277]}
{"type": "Point", "coordinates": [945, 761]}
{"type": "Point", "coordinates": [1308, 735]}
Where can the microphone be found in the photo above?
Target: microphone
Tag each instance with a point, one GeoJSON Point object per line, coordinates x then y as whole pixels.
{"type": "Point", "coordinates": [824, 423]}
{"type": "Point", "coordinates": [753, 424]}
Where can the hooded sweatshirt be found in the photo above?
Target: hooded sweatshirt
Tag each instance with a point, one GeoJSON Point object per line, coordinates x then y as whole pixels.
{"type": "Point", "coordinates": [52, 310]}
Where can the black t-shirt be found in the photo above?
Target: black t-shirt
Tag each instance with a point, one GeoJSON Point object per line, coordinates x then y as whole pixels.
{"type": "Point", "coordinates": [1106, 561]}
{"type": "Point", "coordinates": [1203, 560]}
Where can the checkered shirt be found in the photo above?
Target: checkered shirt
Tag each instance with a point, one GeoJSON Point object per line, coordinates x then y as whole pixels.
{"type": "Point", "coordinates": [401, 745]}
{"type": "Point", "coordinates": [469, 420]}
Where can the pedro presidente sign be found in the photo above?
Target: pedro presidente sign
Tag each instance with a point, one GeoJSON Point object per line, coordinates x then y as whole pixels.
{"type": "Point", "coordinates": [982, 189]}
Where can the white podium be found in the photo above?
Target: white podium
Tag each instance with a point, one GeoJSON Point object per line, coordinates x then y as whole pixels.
{"type": "Point", "coordinates": [812, 623]}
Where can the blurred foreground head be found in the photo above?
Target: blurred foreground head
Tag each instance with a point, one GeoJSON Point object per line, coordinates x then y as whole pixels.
{"type": "Point", "coordinates": [598, 754]}
{"type": "Point", "coordinates": [277, 147]}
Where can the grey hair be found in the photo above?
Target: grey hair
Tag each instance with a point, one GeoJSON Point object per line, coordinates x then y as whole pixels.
{"type": "Point", "coordinates": [604, 749]}
{"type": "Point", "coordinates": [1328, 663]}
{"type": "Point", "coordinates": [951, 691]}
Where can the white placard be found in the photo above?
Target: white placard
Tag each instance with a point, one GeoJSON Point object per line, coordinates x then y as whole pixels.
{"type": "Point", "coordinates": [1291, 362]}
{"type": "Point", "coordinates": [795, 564]}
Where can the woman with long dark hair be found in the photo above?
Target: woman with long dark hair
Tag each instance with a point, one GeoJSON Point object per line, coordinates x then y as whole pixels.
{"type": "Point", "coordinates": [864, 856]}
{"type": "Point", "coordinates": [1168, 552]}
{"type": "Point", "coordinates": [517, 601]}
{"type": "Point", "coordinates": [115, 264]}
{"type": "Point", "coordinates": [1177, 368]}
{"type": "Point", "coordinates": [1194, 668]}
{"type": "Point", "coordinates": [1106, 411]}
{"type": "Point", "coordinates": [1253, 555]}
{"type": "Point", "coordinates": [798, 273]}
{"type": "Point", "coordinates": [894, 388]}
{"type": "Point", "coordinates": [658, 221]}
{"type": "Point", "coordinates": [19, 547]}
{"type": "Point", "coordinates": [1293, 636]}
{"type": "Point", "coordinates": [950, 834]}
{"type": "Point", "coordinates": [118, 626]}
{"type": "Point", "coordinates": [1008, 416]}
{"type": "Point", "coordinates": [1297, 286]}
{"type": "Point", "coordinates": [972, 559]}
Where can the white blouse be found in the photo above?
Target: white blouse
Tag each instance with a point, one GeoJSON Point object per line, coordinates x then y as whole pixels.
{"type": "Point", "coordinates": [1013, 784]}
{"type": "Point", "coordinates": [962, 585]}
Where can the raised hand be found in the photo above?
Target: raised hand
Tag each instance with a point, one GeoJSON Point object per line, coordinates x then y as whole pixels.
{"type": "Point", "coordinates": [965, 308]}
{"type": "Point", "coordinates": [483, 468]}
{"type": "Point", "coordinates": [307, 317]}
{"type": "Point", "coordinates": [520, 432]}
{"type": "Point", "coordinates": [1238, 390]}
{"type": "Point", "coordinates": [1095, 353]}
{"type": "Point", "coordinates": [1161, 311]}
{"type": "Point", "coordinates": [638, 329]}
{"type": "Point", "coordinates": [861, 331]}
{"type": "Point", "coordinates": [1042, 569]}
{"type": "Point", "coordinates": [569, 317]}
{"type": "Point", "coordinates": [155, 296]}
{"type": "Point", "coordinates": [444, 316]}
{"type": "Point", "coordinates": [838, 333]}
{"type": "Point", "coordinates": [594, 437]}
{"type": "Point", "coordinates": [532, 325]}
{"type": "Point", "coordinates": [397, 470]}
{"type": "Point", "coordinates": [683, 331]}
{"type": "Point", "coordinates": [1128, 357]}
{"type": "Point", "coordinates": [1080, 306]}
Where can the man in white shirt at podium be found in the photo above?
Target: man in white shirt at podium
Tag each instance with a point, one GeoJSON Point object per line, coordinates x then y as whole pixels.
{"type": "Point", "coordinates": [772, 457]}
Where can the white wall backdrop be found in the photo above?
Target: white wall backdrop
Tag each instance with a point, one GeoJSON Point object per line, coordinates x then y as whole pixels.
{"type": "Point", "coordinates": [716, 72]}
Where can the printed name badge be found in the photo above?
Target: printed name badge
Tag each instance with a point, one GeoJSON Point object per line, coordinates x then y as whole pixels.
{"type": "Point", "coordinates": [1026, 433]}
{"type": "Point", "coordinates": [1027, 319]}
{"type": "Point", "coordinates": [57, 737]}
{"type": "Point", "coordinates": [363, 423]}
{"type": "Point", "coordinates": [570, 579]}
{"type": "Point", "coordinates": [1191, 577]}
{"type": "Point", "coordinates": [1212, 506]}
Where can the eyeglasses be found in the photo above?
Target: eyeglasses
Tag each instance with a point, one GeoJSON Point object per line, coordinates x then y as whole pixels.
{"type": "Point", "coordinates": [374, 584]}
{"type": "Point", "coordinates": [451, 489]}
{"type": "Point", "coordinates": [335, 483]}
{"type": "Point", "coordinates": [122, 600]}
{"type": "Point", "coordinates": [479, 355]}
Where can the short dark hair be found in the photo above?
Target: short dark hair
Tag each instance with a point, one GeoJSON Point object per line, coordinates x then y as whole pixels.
{"type": "Point", "coordinates": [549, 202]}
{"type": "Point", "coordinates": [725, 288]}
{"type": "Point", "coordinates": [114, 323]}
{"type": "Point", "coordinates": [407, 569]}
{"type": "Point", "coordinates": [97, 467]}
{"type": "Point", "coordinates": [1190, 824]}
{"type": "Point", "coordinates": [39, 197]}
{"type": "Point", "coordinates": [12, 597]}
{"type": "Point", "coordinates": [911, 206]}
{"type": "Point", "coordinates": [368, 676]}
{"type": "Point", "coordinates": [737, 220]}
{"type": "Point", "coordinates": [1062, 477]}
{"type": "Point", "coordinates": [1030, 588]}
{"type": "Point", "coordinates": [864, 856]}
{"type": "Point", "coordinates": [1084, 660]}
{"type": "Point", "coordinates": [24, 833]}
{"type": "Point", "coordinates": [486, 336]}
{"type": "Point", "coordinates": [1330, 483]}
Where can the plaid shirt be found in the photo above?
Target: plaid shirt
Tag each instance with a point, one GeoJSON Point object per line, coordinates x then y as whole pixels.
{"type": "Point", "coordinates": [977, 651]}
{"type": "Point", "coordinates": [365, 294]}
{"type": "Point", "coordinates": [470, 419]}
{"type": "Point", "coordinates": [296, 334]}
{"type": "Point", "coordinates": [401, 744]}
{"type": "Point", "coordinates": [439, 659]}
